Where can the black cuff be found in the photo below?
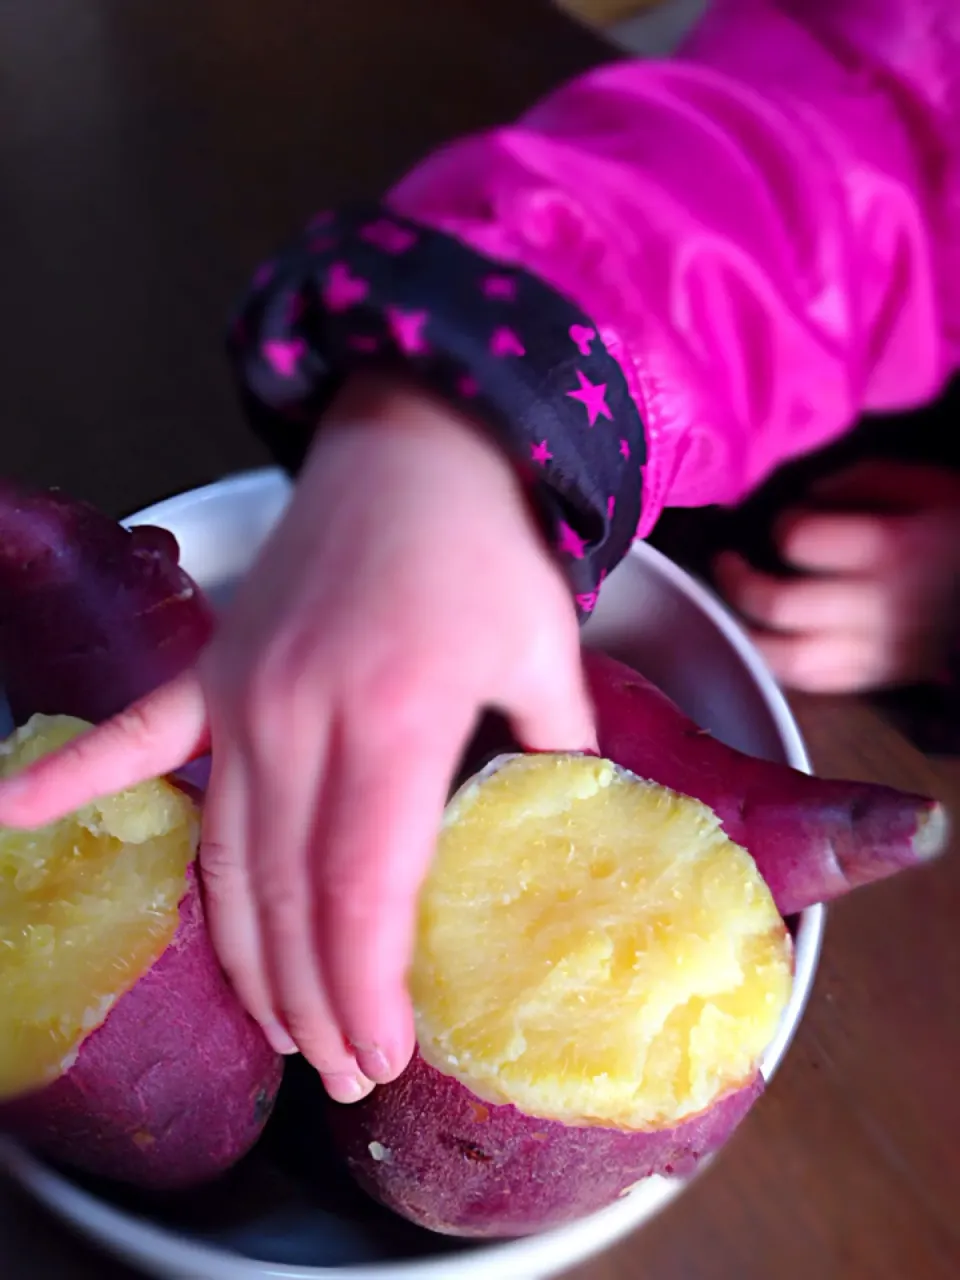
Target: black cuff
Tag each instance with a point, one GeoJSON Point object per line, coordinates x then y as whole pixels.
{"type": "Point", "coordinates": [362, 287]}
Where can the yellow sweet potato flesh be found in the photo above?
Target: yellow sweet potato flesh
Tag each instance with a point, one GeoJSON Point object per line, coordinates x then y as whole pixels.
{"type": "Point", "coordinates": [87, 906]}
{"type": "Point", "coordinates": [593, 949]}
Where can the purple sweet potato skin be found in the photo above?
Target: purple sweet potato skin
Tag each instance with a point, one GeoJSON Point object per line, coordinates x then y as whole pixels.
{"type": "Point", "coordinates": [812, 840]}
{"type": "Point", "coordinates": [92, 617]}
{"type": "Point", "coordinates": [456, 1165]}
{"type": "Point", "coordinates": [175, 1086]}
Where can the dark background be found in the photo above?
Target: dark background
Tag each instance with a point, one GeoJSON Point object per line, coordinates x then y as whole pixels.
{"type": "Point", "coordinates": [151, 153]}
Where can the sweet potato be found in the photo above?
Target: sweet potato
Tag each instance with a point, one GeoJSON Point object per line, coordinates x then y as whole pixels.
{"type": "Point", "coordinates": [168, 1081]}
{"type": "Point", "coordinates": [464, 1148]}
{"type": "Point", "coordinates": [430, 1150]}
{"type": "Point", "coordinates": [123, 1051]}
{"type": "Point", "coordinates": [91, 616]}
{"type": "Point", "coordinates": [812, 839]}
{"type": "Point", "coordinates": [598, 971]}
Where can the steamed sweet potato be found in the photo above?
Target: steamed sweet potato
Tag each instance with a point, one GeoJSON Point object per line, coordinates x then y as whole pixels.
{"type": "Point", "coordinates": [432, 1151]}
{"type": "Point", "coordinates": [123, 1051]}
{"type": "Point", "coordinates": [91, 616]}
{"type": "Point", "coordinates": [597, 974]}
{"type": "Point", "coordinates": [516, 1113]}
{"type": "Point", "coordinates": [812, 839]}
{"type": "Point", "coordinates": [164, 1081]}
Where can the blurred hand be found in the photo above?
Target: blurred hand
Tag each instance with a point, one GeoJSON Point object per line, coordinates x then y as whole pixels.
{"type": "Point", "coordinates": [880, 557]}
{"type": "Point", "coordinates": [406, 589]}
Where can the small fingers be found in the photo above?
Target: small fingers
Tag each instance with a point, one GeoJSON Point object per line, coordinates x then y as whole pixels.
{"type": "Point", "coordinates": [284, 803]}
{"type": "Point", "coordinates": [802, 604]}
{"type": "Point", "coordinates": [231, 909]}
{"type": "Point", "coordinates": [545, 696]}
{"type": "Point", "coordinates": [834, 662]}
{"type": "Point", "coordinates": [155, 736]}
{"type": "Point", "coordinates": [378, 837]}
{"type": "Point", "coordinates": [842, 544]}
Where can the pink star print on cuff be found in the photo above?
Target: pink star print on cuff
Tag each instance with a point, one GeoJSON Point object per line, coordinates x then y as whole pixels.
{"type": "Point", "coordinates": [570, 542]}
{"type": "Point", "coordinates": [283, 356]}
{"type": "Point", "coordinates": [343, 290]}
{"type": "Point", "coordinates": [407, 330]}
{"type": "Point", "coordinates": [506, 343]}
{"type": "Point", "coordinates": [581, 337]}
{"type": "Point", "coordinates": [540, 453]}
{"type": "Point", "coordinates": [593, 397]}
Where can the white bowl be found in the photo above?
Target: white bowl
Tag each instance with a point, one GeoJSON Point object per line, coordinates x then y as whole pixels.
{"type": "Point", "coordinates": [271, 1223]}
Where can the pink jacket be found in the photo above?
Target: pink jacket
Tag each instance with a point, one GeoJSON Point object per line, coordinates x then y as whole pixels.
{"type": "Point", "coordinates": [766, 228]}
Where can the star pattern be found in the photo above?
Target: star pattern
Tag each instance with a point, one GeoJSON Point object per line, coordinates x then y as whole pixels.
{"type": "Point", "coordinates": [581, 337]}
{"type": "Point", "coordinates": [407, 330]}
{"type": "Point", "coordinates": [340, 295]}
{"type": "Point", "coordinates": [505, 342]}
{"type": "Point", "coordinates": [283, 355]}
{"type": "Point", "coordinates": [593, 397]}
{"type": "Point", "coordinates": [343, 290]}
{"type": "Point", "coordinates": [570, 542]}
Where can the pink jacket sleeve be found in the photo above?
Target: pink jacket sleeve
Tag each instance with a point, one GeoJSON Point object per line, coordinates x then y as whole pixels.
{"type": "Point", "coordinates": [765, 229]}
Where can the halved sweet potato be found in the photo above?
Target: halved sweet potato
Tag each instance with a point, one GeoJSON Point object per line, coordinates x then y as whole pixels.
{"type": "Point", "coordinates": [598, 971]}
{"type": "Point", "coordinates": [123, 1051]}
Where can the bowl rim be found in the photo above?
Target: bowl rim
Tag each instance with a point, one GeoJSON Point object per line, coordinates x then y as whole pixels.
{"type": "Point", "coordinates": [159, 1250]}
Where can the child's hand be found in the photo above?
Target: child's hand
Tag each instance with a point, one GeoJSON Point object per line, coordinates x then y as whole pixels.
{"type": "Point", "coordinates": [407, 589]}
{"type": "Point", "coordinates": [880, 552]}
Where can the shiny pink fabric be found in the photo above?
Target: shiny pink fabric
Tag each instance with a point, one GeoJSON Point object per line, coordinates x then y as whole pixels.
{"type": "Point", "coordinates": [766, 228]}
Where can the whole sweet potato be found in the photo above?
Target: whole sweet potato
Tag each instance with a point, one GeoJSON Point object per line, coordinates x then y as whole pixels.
{"type": "Point", "coordinates": [92, 616]}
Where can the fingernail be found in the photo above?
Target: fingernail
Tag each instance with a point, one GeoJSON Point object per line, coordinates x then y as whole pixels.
{"type": "Point", "coordinates": [347, 1088]}
{"type": "Point", "coordinates": [375, 1064]}
{"type": "Point", "coordinates": [279, 1039]}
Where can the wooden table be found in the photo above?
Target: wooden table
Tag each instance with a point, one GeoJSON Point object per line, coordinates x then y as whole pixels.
{"type": "Point", "coordinates": [150, 152]}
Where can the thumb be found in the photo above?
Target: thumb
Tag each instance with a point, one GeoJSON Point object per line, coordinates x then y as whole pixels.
{"type": "Point", "coordinates": [548, 702]}
{"type": "Point", "coordinates": [153, 737]}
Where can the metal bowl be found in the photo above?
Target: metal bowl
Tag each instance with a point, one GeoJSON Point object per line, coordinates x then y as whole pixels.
{"type": "Point", "coordinates": [289, 1210]}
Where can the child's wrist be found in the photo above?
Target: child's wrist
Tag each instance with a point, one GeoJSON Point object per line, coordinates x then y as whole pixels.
{"type": "Point", "coordinates": [373, 404]}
